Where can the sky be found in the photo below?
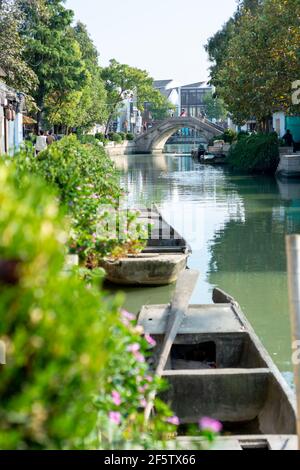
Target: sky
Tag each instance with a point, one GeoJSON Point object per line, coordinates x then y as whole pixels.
{"type": "Point", "coordinates": [164, 37]}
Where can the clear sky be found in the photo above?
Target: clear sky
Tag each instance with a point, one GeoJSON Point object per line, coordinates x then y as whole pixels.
{"type": "Point", "coordinates": [165, 37]}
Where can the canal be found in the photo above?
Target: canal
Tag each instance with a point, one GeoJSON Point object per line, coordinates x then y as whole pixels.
{"type": "Point", "coordinates": [236, 226]}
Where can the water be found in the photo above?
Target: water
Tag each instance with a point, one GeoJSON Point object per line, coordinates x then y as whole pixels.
{"type": "Point", "coordinates": [236, 226]}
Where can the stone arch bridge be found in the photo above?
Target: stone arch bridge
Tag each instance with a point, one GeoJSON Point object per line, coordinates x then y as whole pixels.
{"type": "Point", "coordinates": [154, 140]}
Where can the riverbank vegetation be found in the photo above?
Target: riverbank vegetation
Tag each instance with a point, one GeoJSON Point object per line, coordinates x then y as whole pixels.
{"type": "Point", "coordinates": [76, 373]}
{"type": "Point", "coordinates": [71, 352]}
{"type": "Point", "coordinates": [255, 153]}
{"type": "Point", "coordinates": [88, 187]}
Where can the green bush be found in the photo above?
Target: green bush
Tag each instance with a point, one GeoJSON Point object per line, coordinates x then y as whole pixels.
{"type": "Point", "coordinates": [242, 134]}
{"type": "Point", "coordinates": [228, 136]}
{"type": "Point", "coordinates": [87, 139]}
{"type": "Point", "coordinates": [122, 135]}
{"type": "Point", "coordinates": [86, 180]}
{"type": "Point", "coordinates": [100, 136]}
{"type": "Point", "coordinates": [117, 138]}
{"type": "Point", "coordinates": [129, 136]}
{"type": "Point", "coordinates": [255, 153]}
{"type": "Point", "coordinates": [54, 327]}
{"type": "Point", "coordinates": [76, 375]}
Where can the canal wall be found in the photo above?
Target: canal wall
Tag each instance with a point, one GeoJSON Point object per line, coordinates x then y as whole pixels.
{"type": "Point", "coordinates": [124, 148]}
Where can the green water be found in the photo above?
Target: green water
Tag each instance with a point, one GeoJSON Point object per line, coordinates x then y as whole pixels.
{"type": "Point", "coordinates": [236, 226]}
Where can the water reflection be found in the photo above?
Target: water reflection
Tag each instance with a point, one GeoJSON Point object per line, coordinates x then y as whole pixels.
{"type": "Point", "coordinates": [236, 226]}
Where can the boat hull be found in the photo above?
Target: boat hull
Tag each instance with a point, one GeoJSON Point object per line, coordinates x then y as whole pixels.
{"type": "Point", "coordinates": [148, 270]}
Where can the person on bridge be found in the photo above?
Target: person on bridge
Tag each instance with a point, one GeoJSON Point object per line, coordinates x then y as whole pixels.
{"type": "Point", "coordinates": [183, 113]}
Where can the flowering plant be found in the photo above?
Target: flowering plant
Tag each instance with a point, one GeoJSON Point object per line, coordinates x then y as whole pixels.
{"type": "Point", "coordinates": [127, 385]}
{"type": "Point", "coordinates": [87, 181]}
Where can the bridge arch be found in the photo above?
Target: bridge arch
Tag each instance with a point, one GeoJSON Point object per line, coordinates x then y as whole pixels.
{"type": "Point", "coordinates": [154, 140]}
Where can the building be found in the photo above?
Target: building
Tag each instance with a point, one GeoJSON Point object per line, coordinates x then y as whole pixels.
{"type": "Point", "coordinates": [192, 98]}
{"type": "Point", "coordinates": [188, 98]}
{"type": "Point", "coordinates": [11, 119]}
{"type": "Point", "coordinates": [282, 122]}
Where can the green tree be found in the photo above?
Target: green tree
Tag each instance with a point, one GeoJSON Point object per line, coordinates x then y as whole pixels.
{"type": "Point", "coordinates": [82, 108]}
{"type": "Point", "coordinates": [254, 67]}
{"type": "Point", "coordinates": [161, 110]}
{"type": "Point", "coordinates": [52, 51]}
{"type": "Point", "coordinates": [214, 107]}
{"type": "Point", "coordinates": [18, 73]}
{"type": "Point", "coordinates": [123, 82]}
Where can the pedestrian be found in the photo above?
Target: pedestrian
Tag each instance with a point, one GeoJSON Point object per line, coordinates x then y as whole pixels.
{"type": "Point", "coordinates": [41, 142]}
{"type": "Point", "coordinates": [50, 138]}
{"type": "Point", "coordinates": [183, 113]}
{"type": "Point", "coordinates": [288, 138]}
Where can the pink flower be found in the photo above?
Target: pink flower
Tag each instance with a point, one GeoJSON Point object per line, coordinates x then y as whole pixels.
{"type": "Point", "coordinates": [134, 348]}
{"type": "Point", "coordinates": [174, 420]}
{"type": "Point", "coordinates": [127, 315]}
{"type": "Point", "coordinates": [149, 378]}
{"type": "Point", "coordinates": [139, 357]}
{"type": "Point", "coordinates": [143, 403]}
{"type": "Point", "coordinates": [211, 425]}
{"type": "Point", "coordinates": [143, 389]}
{"type": "Point", "coordinates": [115, 417]}
{"type": "Point", "coordinates": [150, 340]}
{"type": "Point", "coordinates": [116, 398]}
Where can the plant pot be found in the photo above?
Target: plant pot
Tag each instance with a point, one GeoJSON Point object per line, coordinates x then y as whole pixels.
{"type": "Point", "coordinates": [9, 271]}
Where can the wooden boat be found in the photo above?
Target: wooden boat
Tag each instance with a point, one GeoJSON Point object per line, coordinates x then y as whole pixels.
{"type": "Point", "coordinates": [160, 263]}
{"type": "Point", "coordinates": [218, 367]}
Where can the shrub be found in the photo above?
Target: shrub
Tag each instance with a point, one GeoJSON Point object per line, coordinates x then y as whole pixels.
{"type": "Point", "coordinates": [228, 136]}
{"type": "Point", "coordinates": [86, 180]}
{"type": "Point", "coordinates": [255, 153]}
{"type": "Point", "coordinates": [87, 139]}
{"type": "Point", "coordinates": [116, 138]}
{"type": "Point", "coordinates": [53, 327]}
{"type": "Point", "coordinates": [100, 136]}
{"type": "Point", "coordinates": [129, 136]}
{"type": "Point", "coordinates": [122, 135]}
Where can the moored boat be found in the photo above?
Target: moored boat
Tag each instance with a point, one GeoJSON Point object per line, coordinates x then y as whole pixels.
{"type": "Point", "coordinates": [218, 367]}
{"type": "Point", "coordinates": [160, 263]}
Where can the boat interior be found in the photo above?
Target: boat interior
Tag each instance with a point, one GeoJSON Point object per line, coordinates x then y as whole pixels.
{"type": "Point", "coordinates": [217, 367]}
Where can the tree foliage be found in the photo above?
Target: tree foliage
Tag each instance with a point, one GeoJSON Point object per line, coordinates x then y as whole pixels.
{"type": "Point", "coordinates": [214, 107]}
{"type": "Point", "coordinates": [51, 50]}
{"type": "Point", "coordinates": [124, 82]}
{"type": "Point", "coordinates": [18, 73]}
{"type": "Point", "coordinates": [256, 58]}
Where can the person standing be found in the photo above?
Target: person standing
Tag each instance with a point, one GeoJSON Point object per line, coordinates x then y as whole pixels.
{"type": "Point", "coordinates": [288, 138]}
{"type": "Point", "coordinates": [50, 138]}
{"type": "Point", "coordinates": [41, 142]}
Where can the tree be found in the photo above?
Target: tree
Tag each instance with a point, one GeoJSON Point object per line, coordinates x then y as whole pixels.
{"type": "Point", "coordinates": [86, 106]}
{"type": "Point", "coordinates": [93, 104]}
{"type": "Point", "coordinates": [18, 74]}
{"type": "Point", "coordinates": [259, 60]}
{"type": "Point", "coordinates": [123, 82]}
{"type": "Point", "coordinates": [162, 109]}
{"type": "Point", "coordinates": [214, 107]}
{"type": "Point", "coordinates": [51, 50]}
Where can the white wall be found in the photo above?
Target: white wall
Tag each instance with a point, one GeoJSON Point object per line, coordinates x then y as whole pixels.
{"type": "Point", "coordinates": [279, 123]}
